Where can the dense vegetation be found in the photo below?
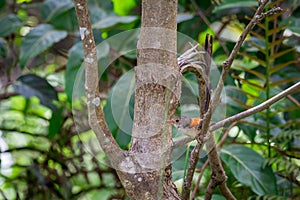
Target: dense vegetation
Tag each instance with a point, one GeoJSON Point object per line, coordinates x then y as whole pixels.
{"type": "Point", "coordinates": [47, 148]}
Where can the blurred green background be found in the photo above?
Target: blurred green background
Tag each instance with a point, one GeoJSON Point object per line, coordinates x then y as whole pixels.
{"type": "Point", "coordinates": [47, 148]}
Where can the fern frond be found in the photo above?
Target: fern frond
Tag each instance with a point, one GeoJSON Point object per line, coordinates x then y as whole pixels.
{"type": "Point", "coordinates": [281, 53]}
{"type": "Point", "coordinates": [261, 62]}
{"type": "Point", "coordinates": [284, 81]}
{"type": "Point", "coordinates": [282, 65]}
{"type": "Point", "coordinates": [255, 73]}
{"type": "Point", "coordinates": [286, 136]}
{"type": "Point", "coordinates": [283, 164]}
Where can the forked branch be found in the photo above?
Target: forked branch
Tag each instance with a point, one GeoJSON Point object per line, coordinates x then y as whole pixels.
{"type": "Point", "coordinates": [96, 115]}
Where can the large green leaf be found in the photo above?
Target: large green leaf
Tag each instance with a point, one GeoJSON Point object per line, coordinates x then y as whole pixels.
{"type": "Point", "coordinates": [247, 167]}
{"type": "Point", "coordinates": [37, 40]}
{"type": "Point", "coordinates": [29, 85]}
{"type": "Point", "coordinates": [52, 8]}
{"type": "Point", "coordinates": [119, 109]}
{"type": "Point", "coordinates": [9, 24]}
{"type": "Point", "coordinates": [61, 14]}
{"type": "Point", "coordinates": [110, 21]}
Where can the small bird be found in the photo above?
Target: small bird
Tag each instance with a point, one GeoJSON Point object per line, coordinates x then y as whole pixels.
{"type": "Point", "coordinates": [186, 125]}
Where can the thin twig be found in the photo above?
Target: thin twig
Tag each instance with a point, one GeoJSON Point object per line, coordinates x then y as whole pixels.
{"type": "Point", "coordinates": [191, 170]}
{"type": "Point", "coordinates": [295, 101]}
{"type": "Point", "coordinates": [218, 175]}
{"type": "Point", "coordinates": [197, 186]}
{"type": "Point", "coordinates": [206, 162]}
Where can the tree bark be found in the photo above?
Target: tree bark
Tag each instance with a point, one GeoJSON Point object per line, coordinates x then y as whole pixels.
{"type": "Point", "coordinates": [157, 93]}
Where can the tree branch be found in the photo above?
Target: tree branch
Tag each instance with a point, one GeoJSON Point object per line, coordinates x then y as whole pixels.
{"type": "Point", "coordinates": [244, 114]}
{"type": "Point", "coordinates": [258, 108]}
{"type": "Point", "coordinates": [194, 157]}
{"type": "Point", "coordinates": [218, 176]}
{"type": "Point", "coordinates": [202, 70]}
{"type": "Point", "coordinates": [258, 16]}
{"type": "Point", "coordinates": [7, 95]}
{"type": "Point", "coordinates": [206, 163]}
{"type": "Point", "coordinates": [96, 115]}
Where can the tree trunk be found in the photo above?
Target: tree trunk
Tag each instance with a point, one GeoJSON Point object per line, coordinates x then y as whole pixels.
{"type": "Point", "coordinates": [148, 172]}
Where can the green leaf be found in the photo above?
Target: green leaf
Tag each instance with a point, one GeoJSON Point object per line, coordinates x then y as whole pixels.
{"type": "Point", "coordinates": [55, 122]}
{"type": "Point", "coordinates": [17, 121]}
{"type": "Point", "coordinates": [29, 85]}
{"type": "Point", "coordinates": [251, 87]}
{"type": "Point", "coordinates": [110, 21]}
{"type": "Point", "coordinates": [191, 83]}
{"type": "Point", "coordinates": [181, 17]}
{"type": "Point", "coordinates": [247, 167]}
{"type": "Point", "coordinates": [103, 17]}
{"type": "Point", "coordinates": [37, 40]}
{"type": "Point", "coordinates": [229, 4]}
{"type": "Point", "coordinates": [249, 129]}
{"type": "Point", "coordinates": [107, 6]}
{"type": "Point", "coordinates": [66, 21]}
{"type": "Point", "coordinates": [244, 64]}
{"type": "Point", "coordinates": [293, 24]}
{"type": "Point", "coordinates": [2, 4]}
{"type": "Point", "coordinates": [52, 8]}
{"type": "Point", "coordinates": [119, 109]}
{"type": "Point", "coordinates": [75, 60]}
{"type": "Point", "coordinates": [60, 14]}
{"type": "Point", "coordinates": [235, 100]}
{"type": "Point", "coordinates": [231, 32]}
{"type": "Point", "coordinates": [2, 48]}
{"type": "Point", "coordinates": [9, 24]}
{"type": "Point", "coordinates": [217, 197]}
{"type": "Point", "coordinates": [123, 7]}
{"type": "Point", "coordinates": [254, 44]}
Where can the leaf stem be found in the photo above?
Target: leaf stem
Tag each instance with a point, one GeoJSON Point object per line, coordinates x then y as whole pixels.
{"type": "Point", "coordinates": [267, 84]}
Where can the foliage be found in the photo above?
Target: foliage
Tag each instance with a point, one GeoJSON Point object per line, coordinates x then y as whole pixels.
{"type": "Point", "coordinates": [42, 156]}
